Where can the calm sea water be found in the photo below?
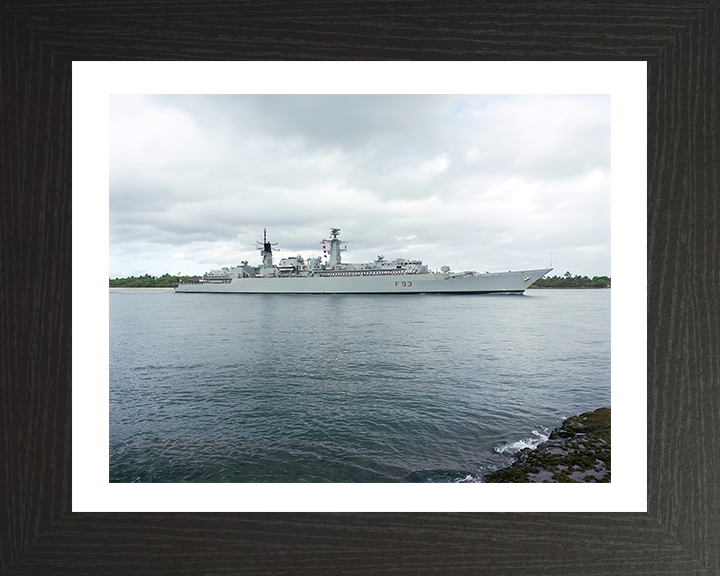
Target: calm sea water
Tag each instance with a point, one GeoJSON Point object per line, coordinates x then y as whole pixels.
{"type": "Point", "coordinates": [346, 388]}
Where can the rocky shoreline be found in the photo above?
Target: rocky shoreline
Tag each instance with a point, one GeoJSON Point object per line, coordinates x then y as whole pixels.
{"type": "Point", "coordinates": [577, 451]}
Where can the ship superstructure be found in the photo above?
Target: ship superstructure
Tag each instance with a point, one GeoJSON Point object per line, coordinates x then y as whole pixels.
{"type": "Point", "coordinates": [328, 274]}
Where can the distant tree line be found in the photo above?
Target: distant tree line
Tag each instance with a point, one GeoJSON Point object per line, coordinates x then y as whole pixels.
{"type": "Point", "coordinates": [147, 281]}
{"type": "Point", "coordinates": [565, 281]}
{"type": "Point", "coordinates": [569, 281]}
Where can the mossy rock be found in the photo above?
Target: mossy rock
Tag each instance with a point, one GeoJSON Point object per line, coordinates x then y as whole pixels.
{"type": "Point", "coordinates": [595, 423]}
{"type": "Point", "coordinates": [511, 475]}
{"type": "Point", "coordinates": [580, 445]}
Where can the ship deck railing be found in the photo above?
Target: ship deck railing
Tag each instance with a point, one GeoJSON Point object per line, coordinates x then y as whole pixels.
{"type": "Point", "coordinates": [393, 272]}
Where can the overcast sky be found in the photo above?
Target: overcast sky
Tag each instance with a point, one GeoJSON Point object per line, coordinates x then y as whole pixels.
{"type": "Point", "coordinates": [486, 183]}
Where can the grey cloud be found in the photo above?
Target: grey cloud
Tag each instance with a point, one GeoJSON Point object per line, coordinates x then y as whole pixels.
{"type": "Point", "coordinates": [455, 172]}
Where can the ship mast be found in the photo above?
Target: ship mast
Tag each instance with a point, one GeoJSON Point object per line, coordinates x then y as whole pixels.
{"type": "Point", "coordinates": [335, 248]}
{"type": "Point", "coordinates": [265, 248]}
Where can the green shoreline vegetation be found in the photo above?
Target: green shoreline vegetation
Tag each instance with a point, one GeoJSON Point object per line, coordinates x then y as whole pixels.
{"type": "Point", "coordinates": [168, 281]}
{"type": "Point", "coordinates": [147, 281]}
{"type": "Point", "coordinates": [567, 280]}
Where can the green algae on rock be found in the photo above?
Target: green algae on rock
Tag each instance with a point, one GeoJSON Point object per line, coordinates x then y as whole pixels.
{"type": "Point", "coordinates": [577, 451]}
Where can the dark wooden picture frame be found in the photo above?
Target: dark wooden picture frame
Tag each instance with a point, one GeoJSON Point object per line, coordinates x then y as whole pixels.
{"type": "Point", "coordinates": [678, 535]}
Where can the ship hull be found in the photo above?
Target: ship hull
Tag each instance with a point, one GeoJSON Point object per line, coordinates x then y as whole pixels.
{"type": "Point", "coordinates": [426, 283]}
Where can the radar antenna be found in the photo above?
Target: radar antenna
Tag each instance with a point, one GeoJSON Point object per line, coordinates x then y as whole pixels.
{"type": "Point", "coordinates": [334, 236]}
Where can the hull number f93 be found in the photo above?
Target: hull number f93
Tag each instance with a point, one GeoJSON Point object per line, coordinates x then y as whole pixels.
{"type": "Point", "coordinates": [403, 284]}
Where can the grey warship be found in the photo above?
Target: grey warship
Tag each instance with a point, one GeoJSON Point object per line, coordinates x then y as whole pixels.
{"type": "Point", "coordinates": [328, 274]}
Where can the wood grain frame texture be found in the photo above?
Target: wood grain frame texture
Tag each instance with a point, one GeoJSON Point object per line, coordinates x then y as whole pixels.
{"type": "Point", "coordinates": [680, 533]}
